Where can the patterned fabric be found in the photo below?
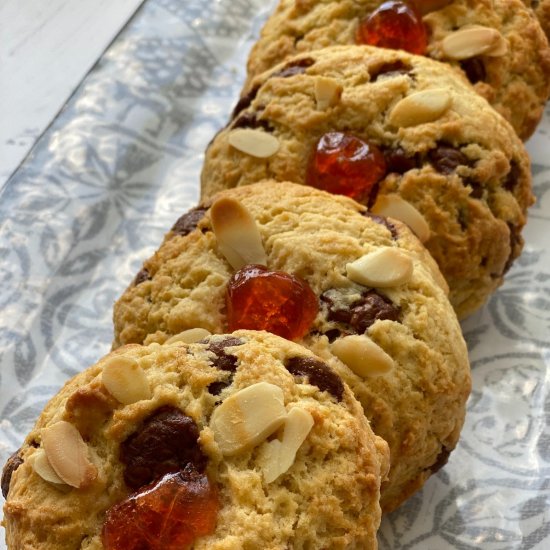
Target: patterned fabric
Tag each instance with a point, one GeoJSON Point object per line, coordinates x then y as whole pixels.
{"type": "Point", "coordinates": [118, 167]}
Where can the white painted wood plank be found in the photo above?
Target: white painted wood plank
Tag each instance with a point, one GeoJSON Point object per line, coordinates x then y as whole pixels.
{"type": "Point", "coordinates": [46, 48]}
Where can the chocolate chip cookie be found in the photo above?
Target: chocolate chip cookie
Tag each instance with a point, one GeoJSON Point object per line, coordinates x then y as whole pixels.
{"type": "Point", "coordinates": [499, 44]}
{"type": "Point", "coordinates": [542, 11]}
{"type": "Point", "coordinates": [358, 289]}
{"type": "Point", "coordinates": [402, 134]}
{"type": "Point", "coordinates": [237, 441]}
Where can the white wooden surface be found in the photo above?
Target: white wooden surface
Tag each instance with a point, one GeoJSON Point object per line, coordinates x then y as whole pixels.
{"type": "Point", "coordinates": [46, 49]}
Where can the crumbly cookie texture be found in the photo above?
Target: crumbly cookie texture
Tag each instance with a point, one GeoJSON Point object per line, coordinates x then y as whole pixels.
{"type": "Point", "coordinates": [514, 79]}
{"type": "Point", "coordinates": [395, 341]}
{"type": "Point", "coordinates": [328, 497]}
{"type": "Point", "coordinates": [465, 171]}
{"type": "Point", "coordinates": [542, 11]}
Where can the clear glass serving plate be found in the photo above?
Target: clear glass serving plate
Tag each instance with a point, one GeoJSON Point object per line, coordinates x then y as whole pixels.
{"type": "Point", "coordinates": [121, 163]}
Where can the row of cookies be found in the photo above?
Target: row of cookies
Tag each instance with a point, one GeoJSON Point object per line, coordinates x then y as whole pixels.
{"type": "Point", "coordinates": [254, 440]}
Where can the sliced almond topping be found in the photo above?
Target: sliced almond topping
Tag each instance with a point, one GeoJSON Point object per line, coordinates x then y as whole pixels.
{"type": "Point", "coordinates": [420, 108]}
{"type": "Point", "coordinates": [68, 454]}
{"type": "Point", "coordinates": [363, 356]}
{"type": "Point", "coordinates": [40, 464]}
{"type": "Point", "coordinates": [125, 380]}
{"type": "Point", "coordinates": [279, 456]}
{"type": "Point", "coordinates": [500, 49]}
{"type": "Point", "coordinates": [237, 233]}
{"type": "Point", "coordinates": [255, 143]}
{"type": "Point", "coordinates": [248, 417]}
{"type": "Point", "coordinates": [393, 206]}
{"type": "Point", "coordinates": [385, 267]}
{"type": "Point", "coordinates": [327, 92]}
{"type": "Point", "coordinates": [470, 41]}
{"type": "Point", "coordinates": [188, 336]}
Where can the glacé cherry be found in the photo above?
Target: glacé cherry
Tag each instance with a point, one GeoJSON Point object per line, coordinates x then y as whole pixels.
{"type": "Point", "coordinates": [260, 299]}
{"type": "Point", "coordinates": [394, 25]}
{"type": "Point", "coordinates": [345, 164]}
{"type": "Point", "coordinates": [169, 514]}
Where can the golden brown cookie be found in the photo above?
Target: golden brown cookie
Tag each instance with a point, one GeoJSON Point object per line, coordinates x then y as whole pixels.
{"type": "Point", "coordinates": [542, 11]}
{"type": "Point", "coordinates": [498, 44]}
{"type": "Point", "coordinates": [401, 133]}
{"type": "Point", "coordinates": [212, 445]}
{"type": "Point", "coordinates": [360, 291]}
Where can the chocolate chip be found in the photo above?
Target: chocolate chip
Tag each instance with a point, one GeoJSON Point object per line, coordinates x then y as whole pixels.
{"type": "Point", "coordinates": [512, 178]}
{"type": "Point", "coordinates": [166, 442]}
{"type": "Point", "coordinates": [398, 161]}
{"type": "Point", "coordinates": [317, 374]}
{"type": "Point", "coordinates": [441, 460]}
{"type": "Point", "coordinates": [393, 68]}
{"type": "Point", "coordinates": [516, 243]}
{"type": "Point", "coordinates": [294, 67]}
{"type": "Point", "coordinates": [361, 313]}
{"type": "Point", "coordinates": [250, 120]}
{"type": "Point", "coordinates": [223, 361]}
{"type": "Point", "coordinates": [215, 388]}
{"type": "Point", "coordinates": [142, 276]}
{"type": "Point", "coordinates": [189, 221]}
{"type": "Point", "coordinates": [445, 159]}
{"type": "Point", "coordinates": [13, 462]}
{"type": "Point", "coordinates": [382, 221]}
{"type": "Point", "coordinates": [477, 188]}
{"type": "Point", "coordinates": [245, 101]}
{"type": "Point", "coordinates": [474, 69]}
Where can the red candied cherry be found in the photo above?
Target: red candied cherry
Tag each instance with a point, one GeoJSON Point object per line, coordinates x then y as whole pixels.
{"type": "Point", "coordinates": [394, 25]}
{"type": "Point", "coordinates": [344, 164]}
{"type": "Point", "coordinates": [168, 514]}
{"type": "Point", "coordinates": [275, 301]}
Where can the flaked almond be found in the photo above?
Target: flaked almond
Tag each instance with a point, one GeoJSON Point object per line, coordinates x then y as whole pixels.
{"type": "Point", "coordinates": [470, 41]}
{"type": "Point", "coordinates": [327, 92]}
{"type": "Point", "coordinates": [41, 465]}
{"type": "Point", "coordinates": [363, 356]}
{"type": "Point", "coordinates": [237, 233]}
{"type": "Point", "coordinates": [382, 268]}
{"type": "Point", "coordinates": [500, 49]}
{"type": "Point", "coordinates": [125, 380]}
{"type": "Point", "coordinates": [188, 336]}
{"type": "Point", "coordinates": [68, 454]}
{"type": "Point", "coordinates": [248, 417]}
{"type": "Point", "coordinates": [255, 143]}
{"type": "Point", "coordinates": [278, 456]}
{"type": "Point", "coordinates": [420, 108]}
{"type": "Point", "coordinates": [393, 206]}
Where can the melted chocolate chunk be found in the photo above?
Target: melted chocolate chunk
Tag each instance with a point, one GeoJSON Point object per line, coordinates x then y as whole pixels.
{"type": "Point", "coordinates": [245, 101]}
{"type": "Point", "coordinates": [142, 276]}
{"type": "Point", "coordinates": [294, 67]}
{"type": "Point", "coordinates": [477, 188]}
{"type": "Point", "coordinates": [515, 242]}
{"type": "Point", "coordinates": [445, 159]}
{"type": "Point", "coordinates": [189, 221]}
{"type": "Point", "coordinates": [393, 68]}
{"type": "Point", "coordinates": [441, 460]}
{"type": "Point", "coordinates": [362, 313]}
{"type": "Point", "coordinates": [399, 162]}
{"type": "Point", "coordinates": [511, 180]}
{"type": "Point", "coordinates": [474, 69]}
{"type": "Point", "coordinates": [13, 462]}
{"type": "Point", "coordinates": [317, 374]}
{"type": "Point", "coordinates": [223, 361]}
{"type": "Point", "coordinates": [382, 221]}
{"type": "Point", "coordinates": [250, 120]}
{"type": "Point", "coordinates": [166, 442]}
